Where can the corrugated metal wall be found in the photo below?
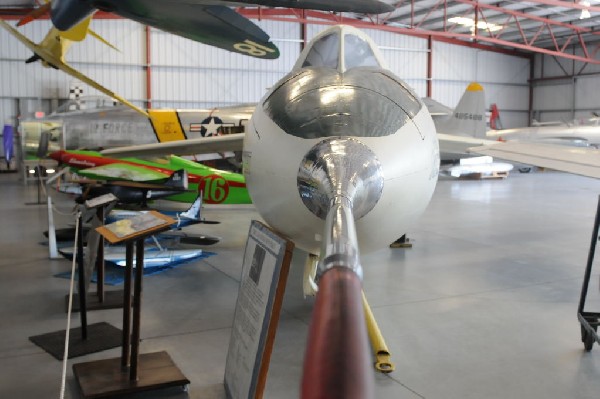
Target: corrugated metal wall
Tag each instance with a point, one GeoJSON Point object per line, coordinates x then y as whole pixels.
{"type": "Point", "coordinates": [565, 90]}
{"type": "Point", "coordinates": [186, 74]}
{"type": "Point", "coordinates": [504, 78]}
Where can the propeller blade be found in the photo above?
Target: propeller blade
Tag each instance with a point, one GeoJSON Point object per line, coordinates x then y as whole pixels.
{"type": "Point", "coordinates": [35, 14]}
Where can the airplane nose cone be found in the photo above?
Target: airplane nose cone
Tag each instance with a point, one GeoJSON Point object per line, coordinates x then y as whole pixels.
{"type": "Point", "coordinates": [340, 167]}
{"type": "Point", "coordinates": [57, 155]}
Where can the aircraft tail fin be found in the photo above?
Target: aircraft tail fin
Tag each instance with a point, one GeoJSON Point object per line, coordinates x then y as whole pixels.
{"type": "Point", "coordinates": [468, 118]}
{"type": "Point", "coordinates": [179, 179]}
{"type": "Point", "coordinates": [193, 211]}
{"type": "Point", "coordinates": [166, 124]}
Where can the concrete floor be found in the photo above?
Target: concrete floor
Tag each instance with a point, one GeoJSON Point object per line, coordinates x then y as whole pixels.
{"type": "Point", "coordinates": [483, 306]}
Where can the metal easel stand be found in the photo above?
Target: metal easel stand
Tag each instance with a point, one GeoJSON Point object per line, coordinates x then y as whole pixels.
{"type": "Point", "coordinates": [101, 299]}
{"type": "Point", "coordinates": [589, 320]}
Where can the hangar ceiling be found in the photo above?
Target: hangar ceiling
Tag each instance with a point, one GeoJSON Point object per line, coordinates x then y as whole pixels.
{"type": "Point", "coordinates": [544, 26]}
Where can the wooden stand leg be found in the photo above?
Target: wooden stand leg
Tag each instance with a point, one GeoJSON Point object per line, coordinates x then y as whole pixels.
{"type": "Point", "coordinates": [100, 260]}
{"type": "Point", "coordinates": [81, 278]}
{"type": "Point", "coordinates": [127, 306]}
{"type": "Point", "coordinates": [137, 309]}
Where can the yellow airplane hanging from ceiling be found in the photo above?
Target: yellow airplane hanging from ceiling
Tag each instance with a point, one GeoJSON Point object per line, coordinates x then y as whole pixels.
{"type": "Point", "coordinates": [52, 49]}
{"type": "Point", "coordinates": [51, 52]}
{"type": "Point", "coordinates": [166, 123]}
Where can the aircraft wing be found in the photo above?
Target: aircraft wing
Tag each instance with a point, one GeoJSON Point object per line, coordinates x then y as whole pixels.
{"type": "Point", "coordinates": [215, 25]}
{"type": "Point", "coordinates": [453, 144]}
{"type": "Point", "coordinates": [359, 6]}
{"type": "Point", "coordinates": [49, 58]}
{"type": "Point", "coordinates": [122, 171]}
{"type": "Point", "coordinates": [577, 160]}
{"type": "Point", "coordinates": [204, 145]}
{"type": "Point", "coordinates": [210, 22]}
{"type": "Point", "coordinates": [186, 236]}
{"type": "Point", "coordinates": [436, 108]}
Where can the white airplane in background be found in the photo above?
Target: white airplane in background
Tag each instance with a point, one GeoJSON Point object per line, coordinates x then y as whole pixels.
{"type": "Point", "coordinates": [577, 134]}
{"type": "Point", "coordinates": [464, 132]}
{"type": "Point", "coordinates": [572, 135]}
{"type": "Point", "coordinates": [467, 123]}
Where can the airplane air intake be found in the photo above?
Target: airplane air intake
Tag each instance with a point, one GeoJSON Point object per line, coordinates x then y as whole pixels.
{"type": "Point", "coordinates": [340, 180]}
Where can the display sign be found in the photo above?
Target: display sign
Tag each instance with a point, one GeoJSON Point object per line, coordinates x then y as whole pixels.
{"type": "Point", "coordinates": [135, 227]}
{"type": "Point", "coordinates": [264, 274]}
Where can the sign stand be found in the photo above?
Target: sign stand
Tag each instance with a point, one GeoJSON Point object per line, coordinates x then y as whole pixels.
{"type": "Point", "coordinates": [132, 372]}
{"type": "Point", "coordinates": [101, 299]}
{"type": "Point", "coordinates": [266, 264]}
{"type": "Point", "coordinates": [87, 338]}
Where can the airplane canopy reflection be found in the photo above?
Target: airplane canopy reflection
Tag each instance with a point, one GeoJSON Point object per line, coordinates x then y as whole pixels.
{"type": "Point", "coordinates": [340, 75]}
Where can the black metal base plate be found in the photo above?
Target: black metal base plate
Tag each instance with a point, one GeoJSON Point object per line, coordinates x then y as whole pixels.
{"type": "Point", "coordinates": [112, 300]}
{"type": "Point", "coordinates": [100, 336]}
{"type": "Point", "coordinates": [106, 378]}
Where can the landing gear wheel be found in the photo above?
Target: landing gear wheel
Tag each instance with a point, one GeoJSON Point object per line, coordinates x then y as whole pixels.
{"type": "Point", "coordinates": [524, 170]}
{"type": "Point", "coordinates": [587, 339]}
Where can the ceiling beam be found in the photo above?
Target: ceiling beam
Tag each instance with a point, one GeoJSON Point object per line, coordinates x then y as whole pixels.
{"type": "Point", "coordinates": [566, 4]}
{"type": "Point", "coordinates": [322, 18]}
{"type": "Point", "coordinates": [531, 26]}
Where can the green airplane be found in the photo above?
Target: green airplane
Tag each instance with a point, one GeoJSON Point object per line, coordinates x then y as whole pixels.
{"type": "Point", "coordinates": [217, 186]}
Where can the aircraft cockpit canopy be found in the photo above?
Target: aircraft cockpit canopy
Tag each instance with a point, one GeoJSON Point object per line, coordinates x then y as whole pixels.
{"type": "Point", "coordinates": [342, 49]}
{"type": "Point", "coordinates": [335, 87]}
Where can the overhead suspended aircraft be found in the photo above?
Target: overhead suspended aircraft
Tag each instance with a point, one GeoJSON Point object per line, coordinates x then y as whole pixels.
{"type": "Point", "coordinates": [51, 52]}
{"type": "Point", "coordinates": [217, 186]}
{"type": "Point", "coordinates": [212, 22]}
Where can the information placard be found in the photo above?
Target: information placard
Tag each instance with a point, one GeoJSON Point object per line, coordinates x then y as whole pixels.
{"type": "Point", "coordinates": [135, 227]}
{"type": "Point", "coordinates": [264, 274]}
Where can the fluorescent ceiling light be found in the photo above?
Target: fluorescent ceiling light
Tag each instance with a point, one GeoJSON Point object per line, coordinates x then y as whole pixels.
{"type": "Point", "coordinates": [585, 13]}
{"type": "Point", "coordinates": [470, 23]}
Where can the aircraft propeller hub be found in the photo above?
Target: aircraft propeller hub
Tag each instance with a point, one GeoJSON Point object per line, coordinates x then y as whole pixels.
{"type": "Point", "coordinates": [340, 168]}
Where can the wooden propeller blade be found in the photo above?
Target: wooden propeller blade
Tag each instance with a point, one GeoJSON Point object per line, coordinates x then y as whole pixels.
{"type": "Point", "coordinates": [35, 14]}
